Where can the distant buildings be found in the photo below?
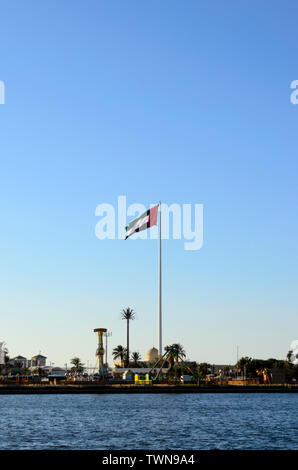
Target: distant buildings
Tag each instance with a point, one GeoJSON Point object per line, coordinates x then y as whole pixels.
{"type": "Point", "coordinates": [152, 355]}
{"type": "Point", "coordinates": [37, 361]}
{"type": "Point", "coordinates": [223, 369]}
{"type": "Point", "coordinates": [54, 372]}
{"type": "Point", "coordinates": [23, 362]}
{"type": "Point", "coordinates": [19, 360]}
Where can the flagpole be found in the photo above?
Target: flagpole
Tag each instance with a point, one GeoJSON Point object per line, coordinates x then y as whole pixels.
{"type": "Point", "coordinates": [159, 290]}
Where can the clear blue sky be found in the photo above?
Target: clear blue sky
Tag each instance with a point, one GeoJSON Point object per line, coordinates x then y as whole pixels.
{"type": "Point", "coordinates": [186, 102]}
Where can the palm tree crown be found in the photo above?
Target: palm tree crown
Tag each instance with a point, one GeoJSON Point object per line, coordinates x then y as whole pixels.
{"type": "Point", "coordinates": [119, 352]}
{"type": "Point", "coordinates": [127, 314]}
{"type": "Point", "coordinates": [178, 351]}
{"type": "Point", "coordinates": [174, 353]}
{"type": "Point", "coordinates": [136, 357]}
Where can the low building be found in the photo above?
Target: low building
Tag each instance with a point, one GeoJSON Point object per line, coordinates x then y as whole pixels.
{"type": "Point", "coordinates": [223, 369]}
{"type": "Point", "coordinates": [37, 361]}
{"type": "Point", "coordinates": [57, 373]}
{"type": "Point", "coordinates": [53, 370]}
{"type": "Point", "coordinates": [120, 371]}
{"type": "Point", "coordinates": [19, 360]}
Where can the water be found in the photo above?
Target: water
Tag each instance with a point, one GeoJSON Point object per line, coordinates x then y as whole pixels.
{"type": "Point", "coordinates": [207, 421]}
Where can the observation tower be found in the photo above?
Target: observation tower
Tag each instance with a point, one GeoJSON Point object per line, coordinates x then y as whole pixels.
{"type": "Point", "coordinates": [100, 350]}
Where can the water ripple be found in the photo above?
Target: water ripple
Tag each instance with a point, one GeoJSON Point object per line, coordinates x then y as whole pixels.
{"type": "Point", "coordinates": [209, 421]}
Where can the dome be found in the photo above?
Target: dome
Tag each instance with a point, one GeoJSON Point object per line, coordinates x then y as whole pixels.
{"type": "Point", "coordinates": [152, 355]}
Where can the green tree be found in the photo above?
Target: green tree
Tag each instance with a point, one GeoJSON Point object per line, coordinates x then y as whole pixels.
{"type": "Point", "coordinates": [257, 367]}
{"type": "Point", "coordinates": [244, 364]}
{"type": "Point", "coordinates": [77, 365]}
{"type": "Point", "coordinates": [203, 369]}
{"type": "Point", "coordinates": [170, 356]}
{"type": "Point", "coordinates": [127, 314]}
{"type": "Point", "coordinates": [174, 353]}
{"type": "Point", "coordinates": [179, 351]}
{"type": "Point", "coordinates": [119, 353]}
{"type": "Point", "coordinates": [280, 364]}
{"type": "Point", "coordinates": [289, 357]}
{"type": "Point", "coordinates": [269, 363]}
{"type": "Point", "coordinates": [136, 357]}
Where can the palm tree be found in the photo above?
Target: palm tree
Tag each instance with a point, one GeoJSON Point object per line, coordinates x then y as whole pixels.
{"type": "Point", "coordinates": [78, 366]}
{"type": "Point", "coordinates": [174, 353]}
{"type": "Point", "coordinates": [178, 351]}
{"type": "Point", "coordinates": [127, 314]}
{"type": "Point", "coordinates": [119, 353]}
{"type": "Point", "coordinates": [170, 356]}
{"type": "Point", "coordinates": [136, 357]}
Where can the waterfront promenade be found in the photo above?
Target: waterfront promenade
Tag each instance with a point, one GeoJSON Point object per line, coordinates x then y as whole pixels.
{"type": "Point", "coordinates": [16, 389]}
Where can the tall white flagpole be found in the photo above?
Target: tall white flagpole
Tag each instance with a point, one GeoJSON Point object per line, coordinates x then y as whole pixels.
{"type": "Point", "coordinates": [159, 290]}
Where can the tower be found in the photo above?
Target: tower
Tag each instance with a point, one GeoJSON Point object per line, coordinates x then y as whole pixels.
{"type": "Point", "coordinates": [100, 350]}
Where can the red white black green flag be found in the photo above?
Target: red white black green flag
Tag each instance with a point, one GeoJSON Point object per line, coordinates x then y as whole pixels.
{"type": "Point", "coordinates": [146, 220]}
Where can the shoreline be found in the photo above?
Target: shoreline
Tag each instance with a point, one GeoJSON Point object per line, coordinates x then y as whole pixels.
{"type": "Point", "coordinates": [152, 389]}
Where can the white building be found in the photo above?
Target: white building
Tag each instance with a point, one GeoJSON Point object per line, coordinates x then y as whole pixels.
{"type": "Point", "coordinates": [37, 361]}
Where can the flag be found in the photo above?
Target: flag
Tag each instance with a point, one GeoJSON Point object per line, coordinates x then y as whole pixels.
{"type": "Point", "coordinates": [146, 220]}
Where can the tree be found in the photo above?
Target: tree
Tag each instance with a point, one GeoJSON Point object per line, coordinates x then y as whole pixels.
{"type": "Point", "coordinates": [289, 357]}
{"type": "Point", "coordinates": [174, 355]}
{"type": "Point", "coordinates": [127, 314]}
{"type": "Point", "coordinates": [136, 357]}
{"type": "Point", "coordinates": [78, 366]}
{"type": "Point", "coordinates": [203, 369]}
{"type": "Point", "coordinates": [119, 353]}
{"type": "Point", "coordinates": [244, 364]}
{"type": "Point", "coordinates": [175, 352]}
{"type": "Point", "coordinates": [178, 351]}
{"type": "Point", "coordinates": [170, 356]}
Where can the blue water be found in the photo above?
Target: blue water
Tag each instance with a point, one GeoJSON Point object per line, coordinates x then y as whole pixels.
{"type": "Point", "coordinates": [221, 421]}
